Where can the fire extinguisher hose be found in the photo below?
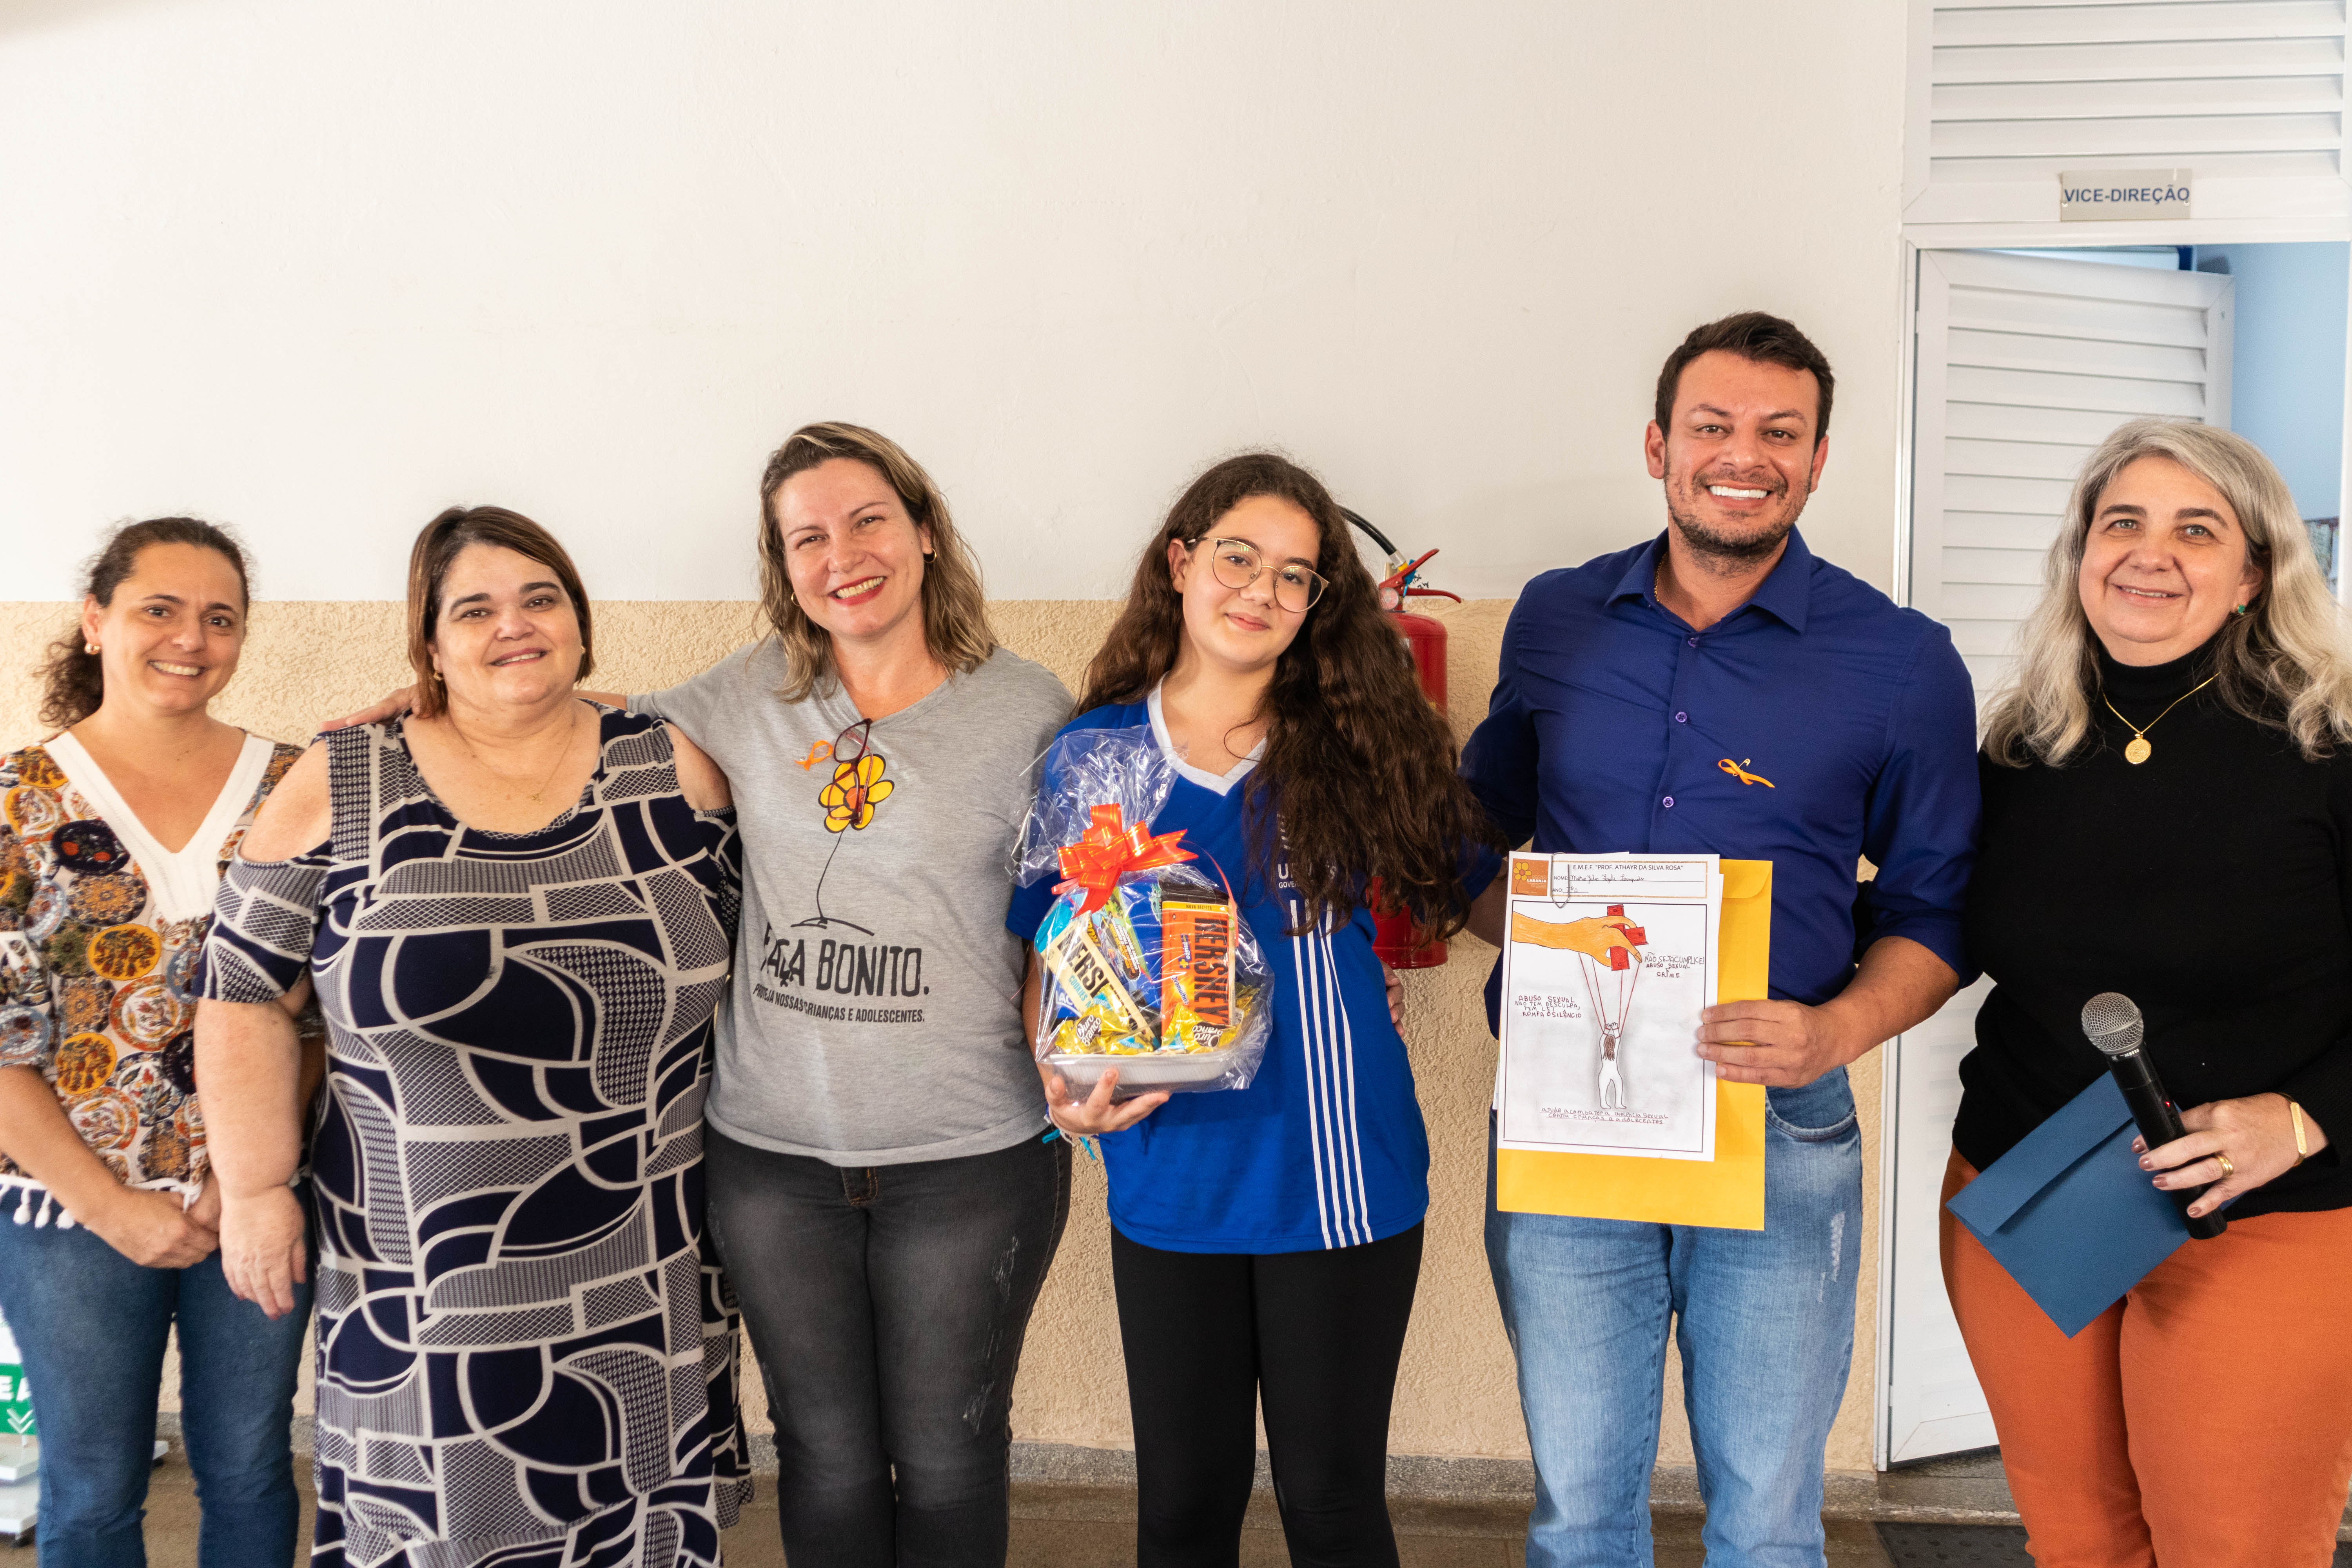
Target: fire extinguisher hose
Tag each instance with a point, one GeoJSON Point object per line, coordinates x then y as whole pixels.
{"type": "Point", "coordinates": [1396, 556]}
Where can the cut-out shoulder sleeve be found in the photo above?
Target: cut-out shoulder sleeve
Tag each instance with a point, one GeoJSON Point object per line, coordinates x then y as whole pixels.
{"type": "Point", "coordinates": [264, 921]}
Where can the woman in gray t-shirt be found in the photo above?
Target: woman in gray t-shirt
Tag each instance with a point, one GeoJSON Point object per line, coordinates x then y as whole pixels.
{"type": "Point", "coordinates": [878, 1186]}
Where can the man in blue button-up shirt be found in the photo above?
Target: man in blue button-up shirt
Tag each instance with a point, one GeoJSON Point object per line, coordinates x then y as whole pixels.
{"type": "Point", "coordinates": [1721, 688]}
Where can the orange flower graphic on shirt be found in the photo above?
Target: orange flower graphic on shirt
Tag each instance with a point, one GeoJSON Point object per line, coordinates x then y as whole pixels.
{"type": "Point", "coordinates": [856, 789]}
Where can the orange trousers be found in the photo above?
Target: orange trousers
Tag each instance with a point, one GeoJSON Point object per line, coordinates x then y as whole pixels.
{"type": "Point", "coordinates": [2204, 1421]}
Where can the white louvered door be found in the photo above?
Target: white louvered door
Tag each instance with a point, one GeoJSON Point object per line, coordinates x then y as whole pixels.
{"type": "Point", "coordinates": [2025, 364]}
{"type": "Point", "coordinates": [2005, 95]}
{"type": "Point", "coordinates": [1930, 1403]}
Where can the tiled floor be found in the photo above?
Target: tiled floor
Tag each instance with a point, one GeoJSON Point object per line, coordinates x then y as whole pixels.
{"type": "Point", "coordinates": [1084, 1527]}
{"type": "Point", "coordinates": [1064, 1525]}
{"type": "Point", "coordinates": [1061, 1526]}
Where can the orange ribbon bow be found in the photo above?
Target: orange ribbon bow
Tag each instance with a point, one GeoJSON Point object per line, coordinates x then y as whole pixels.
{"type": "Point", "coordinates": [1108, 851]}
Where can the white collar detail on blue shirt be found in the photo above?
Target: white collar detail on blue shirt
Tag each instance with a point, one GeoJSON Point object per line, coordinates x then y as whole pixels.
{"type": "Point", "coordinates": [1215, 783]}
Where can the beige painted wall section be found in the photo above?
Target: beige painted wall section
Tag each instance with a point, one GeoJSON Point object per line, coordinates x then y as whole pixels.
{"type": "Point", "coordinates": [1455, 1395]}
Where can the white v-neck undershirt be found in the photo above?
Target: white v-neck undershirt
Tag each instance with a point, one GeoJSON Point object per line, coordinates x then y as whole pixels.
{"type": "Point", "coordinates": [1215, 783]}
{"type": "Point", "coordinates": [183, 883]}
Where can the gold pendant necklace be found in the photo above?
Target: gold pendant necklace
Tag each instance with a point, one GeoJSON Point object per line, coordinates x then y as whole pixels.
{"type": "Point", "coordinates": [568, 731]}
{"type": "Point", "coordinates": [2137, 749]}
{"type": "Point", "coordinates": [535, 795]}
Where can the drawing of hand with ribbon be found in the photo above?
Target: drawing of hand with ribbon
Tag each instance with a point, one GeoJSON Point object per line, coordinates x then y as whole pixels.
{"type": "Point", "coordinates": [1611, 945]}
{"type": "Point", "coordinates": [1593, 936]}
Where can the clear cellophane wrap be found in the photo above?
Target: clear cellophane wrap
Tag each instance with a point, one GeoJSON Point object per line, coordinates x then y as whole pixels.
{"type": "Point", "coordinates": [1149, 966]}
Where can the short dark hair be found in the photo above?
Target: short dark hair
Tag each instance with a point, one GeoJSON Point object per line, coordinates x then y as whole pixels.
{"type": "Point", "coordinates": [1752, 335]}
{"type": "Point", "coordinates": [428, 564]}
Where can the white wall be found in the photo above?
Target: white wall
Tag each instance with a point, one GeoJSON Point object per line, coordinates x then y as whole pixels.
{"type": "Point", "coordinates": [318, 267]}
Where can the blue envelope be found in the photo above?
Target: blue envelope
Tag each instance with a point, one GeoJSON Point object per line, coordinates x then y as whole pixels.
{"type": "Point", "coordinates": [2070, 1214]}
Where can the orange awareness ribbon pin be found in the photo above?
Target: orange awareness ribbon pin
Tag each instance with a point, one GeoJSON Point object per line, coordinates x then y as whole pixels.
{"type": "Point", "coordinates": [1738, 770]}
{"type": "Point", "coordinates": [1108, 850]}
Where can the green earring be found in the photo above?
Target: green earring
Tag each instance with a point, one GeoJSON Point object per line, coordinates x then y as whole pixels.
{"type": "Point", "coordinates": [2239, 610]}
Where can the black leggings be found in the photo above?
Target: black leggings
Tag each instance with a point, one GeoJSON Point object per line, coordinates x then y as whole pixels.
{"type": "Point", "coordinates": [1313, 1335]}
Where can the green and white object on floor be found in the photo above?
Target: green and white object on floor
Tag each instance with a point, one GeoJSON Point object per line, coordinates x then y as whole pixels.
{"type": "Point", "coordinates": [20, 1449]}
{"type": "Point", "coordinates": [20, 1445]}
{"type": "Point", "coordinates": [15, 1399]}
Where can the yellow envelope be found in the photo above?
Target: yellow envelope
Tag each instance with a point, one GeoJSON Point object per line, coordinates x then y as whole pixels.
{"type": "Point", "coordinates": [1726, 1192]}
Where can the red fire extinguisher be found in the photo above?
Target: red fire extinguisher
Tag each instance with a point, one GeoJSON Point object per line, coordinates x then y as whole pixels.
{"type": "Point", "coordinates": [1424, 642]}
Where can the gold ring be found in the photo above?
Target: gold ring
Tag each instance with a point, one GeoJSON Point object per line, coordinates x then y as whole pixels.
{"type": "Point", "coordinates": [2228, 1169]}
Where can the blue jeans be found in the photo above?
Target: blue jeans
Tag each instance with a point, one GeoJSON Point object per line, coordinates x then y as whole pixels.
{"type": "Point", "coordinates": [91, 1325]}
{"type": "Point", "coordinates": [1765, 1332]}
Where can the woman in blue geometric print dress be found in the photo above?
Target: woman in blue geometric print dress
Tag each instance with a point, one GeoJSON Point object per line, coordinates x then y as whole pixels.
{"type": "Point", "coordinates": [518, 910]}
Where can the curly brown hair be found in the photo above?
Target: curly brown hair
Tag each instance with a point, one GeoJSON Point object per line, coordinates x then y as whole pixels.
{"type": "Point", "coordinates": [73, 679]}
{"type": "Point", "coordinates": [1359, 778]}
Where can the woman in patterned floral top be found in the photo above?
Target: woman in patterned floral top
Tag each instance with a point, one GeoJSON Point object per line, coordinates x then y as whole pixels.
{"type": "Point", "coordinates": [113, 833]}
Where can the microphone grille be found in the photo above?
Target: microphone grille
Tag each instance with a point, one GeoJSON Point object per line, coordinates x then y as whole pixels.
{"type": "Point", "coordinates": [2112, 1021]}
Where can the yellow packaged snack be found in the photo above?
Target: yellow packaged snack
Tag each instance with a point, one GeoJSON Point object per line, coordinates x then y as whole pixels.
{"type": "Point", "coordinates": [1072, 958]}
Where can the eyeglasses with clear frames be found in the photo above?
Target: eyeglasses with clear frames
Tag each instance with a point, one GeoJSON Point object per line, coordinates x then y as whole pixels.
{"type": "Point", "coordinates": [851, 743]}
{"type": "Point", "coordinates": [1237, 563]}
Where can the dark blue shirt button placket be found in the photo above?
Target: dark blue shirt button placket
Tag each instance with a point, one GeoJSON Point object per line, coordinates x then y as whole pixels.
{"type": "Point", "coordinates": [1687, 671]}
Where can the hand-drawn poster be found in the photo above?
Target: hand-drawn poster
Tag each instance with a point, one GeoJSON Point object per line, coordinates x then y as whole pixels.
{"type": "Point", "coordinates": [1608, 962]}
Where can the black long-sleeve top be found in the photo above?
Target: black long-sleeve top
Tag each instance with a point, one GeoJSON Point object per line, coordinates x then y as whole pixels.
{"type": "Point", "coordinates": [2211, 884]}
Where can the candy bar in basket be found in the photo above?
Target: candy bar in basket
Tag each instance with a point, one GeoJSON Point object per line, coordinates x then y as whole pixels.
{"type": "Point", "coordinates": [1149, 967]}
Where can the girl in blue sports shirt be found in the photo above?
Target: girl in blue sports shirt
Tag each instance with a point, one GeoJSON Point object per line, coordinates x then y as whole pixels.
{"type": "Point", "coordinates": [1267, 1241]}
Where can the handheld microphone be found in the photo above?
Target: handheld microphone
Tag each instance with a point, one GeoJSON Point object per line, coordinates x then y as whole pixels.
{"type": "Point", "coordinates": [2111, 1021]}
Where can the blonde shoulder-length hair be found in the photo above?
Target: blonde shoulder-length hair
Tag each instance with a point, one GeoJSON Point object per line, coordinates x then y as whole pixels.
{"type": "Point", "coordinates": [2282, 663]}
{"type": "Point", "coordinates": [955, 607]}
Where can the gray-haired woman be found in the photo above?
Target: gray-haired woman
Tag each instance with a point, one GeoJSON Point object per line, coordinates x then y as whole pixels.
{"type": "Point", "coordinates": [2167, 812]}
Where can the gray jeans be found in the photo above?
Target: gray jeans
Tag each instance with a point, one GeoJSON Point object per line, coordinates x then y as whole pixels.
{"type": "Point", "coordinates": [887, 1304]}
